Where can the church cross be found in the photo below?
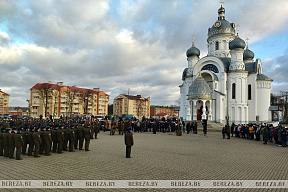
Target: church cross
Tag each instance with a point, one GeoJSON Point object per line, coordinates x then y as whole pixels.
{"type": "Point", "coordinates": [237, 26]}
{"type": "Point", "coordinates": [247, 39]}
{"type": "Point", "coordinates": [193, 40]}
{"type": "Point", "coordinates": [221, 2]}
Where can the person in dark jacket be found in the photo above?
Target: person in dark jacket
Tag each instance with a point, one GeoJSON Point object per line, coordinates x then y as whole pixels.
{"type": "Point", "coordinates": [12, 143]}
{"type": "Point", "coordinates": [71, 137]}
{"type": "Point", "coordinates": [30, 141]}
{"type": "Point", "coordinates": [128, 142]}
{"type": "Point", "coordinates": [19, 143]}
{"type": "Point", "coordinates": [265, 133]}
{"type": "Point", "coordinates": [25, 139]}
{"type": "Point", "coordinates": [47, 141]}
{"type": "Point", "coordinates": [6, 142]}
{"type": "Point", "coordinates": [284, 134]}
{"type": "Point", "coordinates": [2, 141]}
{"type": "Point", "coordinates": [60, 139]}
{"type": "Point", "coordinates": [37, 141]}
{"type": "Point", "coordinates": [87, 134]}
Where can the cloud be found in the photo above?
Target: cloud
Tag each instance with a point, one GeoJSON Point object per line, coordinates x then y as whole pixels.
{"type": "Point", "coordinates": [117, 45]}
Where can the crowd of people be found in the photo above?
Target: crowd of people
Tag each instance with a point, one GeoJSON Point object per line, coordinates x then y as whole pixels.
{"type": "Point", "coordinates": [35, 137]}
{"type": "Point", "coordinates": [266, 133]}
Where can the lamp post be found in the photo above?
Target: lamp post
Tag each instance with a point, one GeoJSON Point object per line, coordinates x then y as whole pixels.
{"type": "Point", "coordinates": [128, 103]}
{"type": "Point", "coordinates": [29, 105]}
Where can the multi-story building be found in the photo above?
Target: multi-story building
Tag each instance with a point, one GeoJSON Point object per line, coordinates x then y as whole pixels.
{"type": "Point", "coordinates": [131, 106]}
{"type": "Point", "coordinates": [163, 111]}
{"type": "Point", "coordinates": [61, 100]}
{"type": "Point", "coordinates": [4, 102]}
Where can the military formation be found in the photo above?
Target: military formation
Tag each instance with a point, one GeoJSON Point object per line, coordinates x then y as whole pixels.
{"type": "Point", "coordinates": [41, 137]}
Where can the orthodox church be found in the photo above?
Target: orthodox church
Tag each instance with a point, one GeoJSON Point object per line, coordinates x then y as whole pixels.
{"type": "Point", "coordinates": [227, 85]}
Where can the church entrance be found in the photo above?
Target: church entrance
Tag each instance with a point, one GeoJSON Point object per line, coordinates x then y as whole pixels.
{"type": "Point", "coordinates": [200, 112]}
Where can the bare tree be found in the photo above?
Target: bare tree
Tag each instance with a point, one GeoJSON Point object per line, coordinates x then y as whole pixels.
{"type": "Point", "coordinates": [44, 93]}
{"type": "Point", "coordinates": [55, 96]}
{"type": "Point", "coordinates": [71, 97]}
{"type": "Point", "coordinates": [86, 99]}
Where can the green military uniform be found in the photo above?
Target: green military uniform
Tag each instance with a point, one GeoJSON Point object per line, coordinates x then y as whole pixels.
{"type": "Point", "coordinates": [76, 131]}
{"type": "Point", "coordinates": [19, 143]}
{"type": "Point", "coordinates": [37, 142]}
{"type": "Point", "coordinates": [65, 139]}
{"type": "Point", "coordinates": [71, 138]}
{"type": "Point", "coordinates": [54, 138]}
{"type": "Point", "coordinates": [25, 140]}
{"type": "Point", "coordinates": [12, 143]}
{"type": "Point", "coordinates": [92, 131]}
{"type": "Point", "coordinates": [87, 134]}
{"type": "Point", "coordinates": [30, 141]}
{"type": "Point", "coordinates": [265, 135]}
{"type": "Point", "coordinates": [1, 141]}
{"type": "Point", "coordinates": [6, 142]}
{"type": "Point", "coordinates": [42, 147]}
{"type": "Point", "coordinates": [228, 130]}
{"type": "Point", "coordinates": [81, 136]}
{"type": "Point", "coordinates": [122, 126]}
{"type": "Point", "coordinates": [47, 141]}
{"type": "Point", "coordinates": [60, 139]}
{"type": "Point", "coordinates": [128, 142]}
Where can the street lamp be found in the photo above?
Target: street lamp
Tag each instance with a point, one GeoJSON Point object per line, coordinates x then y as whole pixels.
{"type": "Point", "coordinates": [29, 105]}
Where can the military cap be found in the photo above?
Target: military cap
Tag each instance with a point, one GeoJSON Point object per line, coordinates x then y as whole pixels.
{"type": "Point", "coordinates": [72, 125]}
{"type": "Point", "coordinates": [2, 129]}
{"type": "Point", "coordinates": [129, 128]}
{"type": "Point", "coordinates": [13, 128]}
{"type": "Point", "coordinates": [19, 129]}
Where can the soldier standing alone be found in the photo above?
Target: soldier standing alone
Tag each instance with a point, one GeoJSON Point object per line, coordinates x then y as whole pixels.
{"type": "Point", "coordinates": [128, 142]}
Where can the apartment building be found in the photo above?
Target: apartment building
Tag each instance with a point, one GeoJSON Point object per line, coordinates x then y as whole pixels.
{"type": "Point", "coordinates": [61, 100]}
{"type": "Point", "coordinates": [131, 106]}
{"type": "Point", "coordinates": [4, 102]}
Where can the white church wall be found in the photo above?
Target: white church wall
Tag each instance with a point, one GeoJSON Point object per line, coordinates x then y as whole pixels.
{"type": "Point", "coordinates": [252, 110]}
{"type": "Point", "coordinates": [263, 97]}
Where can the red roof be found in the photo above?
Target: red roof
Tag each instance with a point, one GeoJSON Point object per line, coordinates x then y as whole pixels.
{"type": "Point", "coordinates": [4, 93]}
{"type": "Point", "coordinates": [138, 97]}
{"type": "Point", "coordinates": [57, 87]}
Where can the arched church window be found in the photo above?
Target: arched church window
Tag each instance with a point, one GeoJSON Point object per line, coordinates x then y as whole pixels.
{"type": "Point", "coordinates": [210, 67]}
{"type": "Point", "coordinates": [249, 92]}
{"type": "Point", "coordinates": [217, 45]}
{"type": "Point", "coordinates": [233, 91]}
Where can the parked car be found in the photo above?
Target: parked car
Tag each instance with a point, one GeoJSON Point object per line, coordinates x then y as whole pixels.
{"type": "Point", "coordinates": [24, 117]}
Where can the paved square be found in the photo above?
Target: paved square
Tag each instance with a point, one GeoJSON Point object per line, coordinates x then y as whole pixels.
{"type": "Point", "coordinates": [163, 156]}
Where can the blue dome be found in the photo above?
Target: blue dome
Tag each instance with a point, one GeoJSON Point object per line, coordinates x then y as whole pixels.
{"type": "Point", "coordinates": [237, 43]}
{"type": "Point", "coordinates": [184, 74]}
{"type": "Point", "coordinates": [224, 28]}
{"type": "Point", "coordinates": [193, 51]}
{"type": "Point", "coordinates": [248, 54]}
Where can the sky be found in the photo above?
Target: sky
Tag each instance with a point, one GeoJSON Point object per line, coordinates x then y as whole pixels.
{"type": "Point", "coordinates": [118, 45]}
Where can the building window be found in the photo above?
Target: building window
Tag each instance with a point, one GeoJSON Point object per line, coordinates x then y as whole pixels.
{"type": "Point", "coordinates": [210, 67]}
{"type": "Point", "coordinates": [249, 92]}
{"type": "Point", "coordinates": [233, 91]}
{"type": "Point", "coordinates": [217, 45]}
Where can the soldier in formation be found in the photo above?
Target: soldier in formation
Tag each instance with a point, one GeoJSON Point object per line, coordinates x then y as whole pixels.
{"type": "Point", "coordinates": [37, 138]}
